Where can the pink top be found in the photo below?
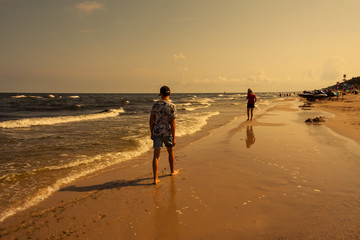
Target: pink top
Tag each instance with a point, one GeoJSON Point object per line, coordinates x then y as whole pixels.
{"type": "Point", "coordinates": [251, 98]}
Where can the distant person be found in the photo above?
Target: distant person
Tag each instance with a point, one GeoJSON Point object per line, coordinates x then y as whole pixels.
{"type": "Point", "coordinates": [251, 97]}
{"type": "Point", "coordinates": [162, 127]}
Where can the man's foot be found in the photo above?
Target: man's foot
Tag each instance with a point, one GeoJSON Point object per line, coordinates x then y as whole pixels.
{"type": "Point", "coordinates": [156, 181]}
{"type": "Point", "coordinates": [174, 173]}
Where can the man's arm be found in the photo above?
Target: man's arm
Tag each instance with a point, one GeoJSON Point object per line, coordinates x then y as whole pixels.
{"type": "Point", "coordinates": [151, 124]}
{"type": "Point", "coordinates": [173, 128]}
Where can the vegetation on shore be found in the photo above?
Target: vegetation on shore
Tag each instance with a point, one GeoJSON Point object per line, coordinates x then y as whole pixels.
{"type": "Point", "coordinates": [355, 81]}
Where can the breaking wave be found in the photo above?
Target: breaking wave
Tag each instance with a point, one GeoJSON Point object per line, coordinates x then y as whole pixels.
{"type": "Point", "coordinates": [29, 122]}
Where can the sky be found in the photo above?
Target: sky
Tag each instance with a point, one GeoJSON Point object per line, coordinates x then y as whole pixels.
{"type": "Point", "coordinates": [136, 46]}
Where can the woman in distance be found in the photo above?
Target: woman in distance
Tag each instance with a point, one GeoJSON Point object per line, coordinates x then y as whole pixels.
{"type": "Point", "coordinates": [251, 97]}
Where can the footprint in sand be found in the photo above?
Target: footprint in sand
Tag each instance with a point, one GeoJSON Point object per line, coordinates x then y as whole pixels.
{"type": "Point", "coordinates": [249, 201]}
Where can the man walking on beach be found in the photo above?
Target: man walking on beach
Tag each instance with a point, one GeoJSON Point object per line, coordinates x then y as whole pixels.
{"type": "Point", "coordinates": [162, 127]}
{"type": "Point", "coordinates": [251, 97]}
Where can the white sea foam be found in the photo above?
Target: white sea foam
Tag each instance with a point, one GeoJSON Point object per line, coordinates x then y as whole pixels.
{"type": "Point", "coordinates": [186, 106]}
{"type": "Point", "coordinates": [19, 96]}
{"type": "Point", "coordinates": [191, 124]}
{"type": "Point", "coordinates": [265, 102]}
{"type": "Point", "coordinates": [227, 98]}
{"type": "Point", "coordinates": [205, 101]}
{"type": "Point", "coordinates": [29, 122]}
{"type": "Point", "coordinates": [74, 97]}
{"type": "Point", "coordinates": [51, 96]}
{"type": "Point", "coordinates": [190, 109]}
{"type": "Point", "coordinates": [106, 161]}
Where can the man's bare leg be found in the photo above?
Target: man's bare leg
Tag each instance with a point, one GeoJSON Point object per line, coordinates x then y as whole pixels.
{"type": "Point", "coordinates": [171, 162]}
{"type": "Point", "coordinates": [156, 165]}
{"type": "Point", "coordinates": [248, 110]}
{"type": "Point", "coordinates": [252, 113]}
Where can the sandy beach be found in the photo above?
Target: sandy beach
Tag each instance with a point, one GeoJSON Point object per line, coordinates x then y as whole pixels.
{"type": "Point", "coordinates": [275, 177]}
{"type": "Point", "coordinates": [346, 110]}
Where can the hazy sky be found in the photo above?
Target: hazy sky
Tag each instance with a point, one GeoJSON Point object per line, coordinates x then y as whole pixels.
{"type": "Point", "coordinates": [190, 45]}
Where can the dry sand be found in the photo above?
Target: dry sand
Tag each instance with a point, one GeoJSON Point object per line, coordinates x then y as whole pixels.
{"type": "Point", "coordinates": [346, 109]}
{"type": "Point", "coordinates": [272, 178]}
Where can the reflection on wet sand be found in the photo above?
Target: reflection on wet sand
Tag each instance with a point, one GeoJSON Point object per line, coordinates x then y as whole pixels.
{"type": "Point", "coordinates": [166, 218]}
{"type": "Point", "coordinates": [250, 137]}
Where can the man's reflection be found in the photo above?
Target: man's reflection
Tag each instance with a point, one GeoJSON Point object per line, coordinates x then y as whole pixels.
{"type": "Point", "coordinates": [250, 137]}
{"type": "Point", "coordinates": [166, 218]}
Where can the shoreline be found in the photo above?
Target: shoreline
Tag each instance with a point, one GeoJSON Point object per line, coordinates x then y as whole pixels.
{"type": "Point", "coordinates": [243, 180]}
{"type": "Point", "coordinates": [216, 122]}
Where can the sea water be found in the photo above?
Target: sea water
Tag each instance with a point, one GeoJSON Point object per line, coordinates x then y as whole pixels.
{"type": "Point", "coordinates": [49, 140]}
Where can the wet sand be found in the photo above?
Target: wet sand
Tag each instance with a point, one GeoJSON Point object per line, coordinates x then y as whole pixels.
{"type": "Point", "coordinates": [271, 178]}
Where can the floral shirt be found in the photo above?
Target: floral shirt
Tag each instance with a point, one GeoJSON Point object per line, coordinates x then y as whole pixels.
{"type": "Point", "coordinates": [163, 112]}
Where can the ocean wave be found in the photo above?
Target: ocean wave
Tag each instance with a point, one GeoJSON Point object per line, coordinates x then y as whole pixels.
{"type": "Point", "coordinates": [190, 124]}
{"type": "Point", "coordinates": [19, 96]}
{"type": "Point", "coordinates": [190, 109]}
{"type": "Point", "coordinates": [206, 101]}
{"type": "Point", "coordinates": [264, 102]}
{"type": "Point", "coordinates": [29, 122]}
{"type": "Point", "coordinates": [33, 96]}
{"type": "Point", "coordinates": [228, 98]}
{"type": "Point", "coordinates": [38, 97]}
{"type": "Point", "coordinates": [106, 160]}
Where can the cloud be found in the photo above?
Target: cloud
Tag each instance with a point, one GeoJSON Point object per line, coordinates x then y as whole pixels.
{"type": "Point", "coordinates": [212, 80]}
{"type": "Point", "coordinates": [333, 69]}
{"type": "Point", "coordinates": [146, 72]}
{"type": "Point", "coordinates": [177, 57]}
{"type": "Point", "coordinates": [222, 79]}
{"type": "Point", "coordinates": [258, 77]}
{"type": "Point", "coordinates": [87, 31]}
{"type": "Point", "coordinates": [185, 19]}
{"type": "Point", "coordinates": [311, 74]}
{"type": "Point", "coordinates": [88, 7]}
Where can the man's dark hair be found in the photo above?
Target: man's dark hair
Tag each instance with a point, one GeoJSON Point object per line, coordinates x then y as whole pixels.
{"type": "Point", "coordinates": [165, 90]}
